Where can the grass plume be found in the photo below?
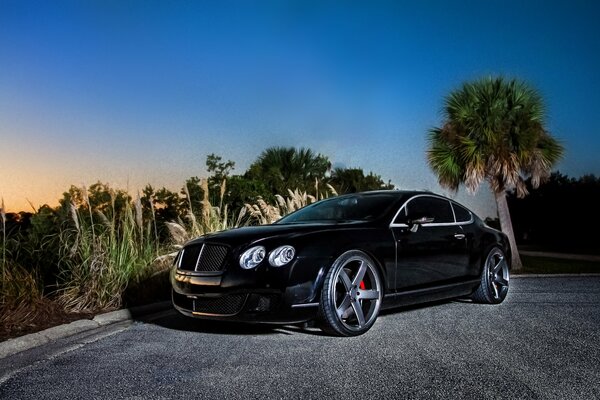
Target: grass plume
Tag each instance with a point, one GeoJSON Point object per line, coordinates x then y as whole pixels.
{"type": "Point", "coordinates": [101, 260]}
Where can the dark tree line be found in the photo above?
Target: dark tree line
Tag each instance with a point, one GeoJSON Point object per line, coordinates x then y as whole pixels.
{"type": "Point", "coordinates": [563, 214]}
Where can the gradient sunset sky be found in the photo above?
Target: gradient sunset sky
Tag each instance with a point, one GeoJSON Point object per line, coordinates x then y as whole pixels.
{"type": "Point", "coordinates": [135, 92]}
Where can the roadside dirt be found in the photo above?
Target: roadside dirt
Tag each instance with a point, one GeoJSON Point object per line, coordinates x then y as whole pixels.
{"type": "Point", "coordinates": [29, 318]}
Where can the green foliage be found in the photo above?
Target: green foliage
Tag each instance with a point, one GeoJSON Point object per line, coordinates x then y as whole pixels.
{"type": "Point", "coordinates": [219, 170]}
{"type": "Point", "coordinates": [17, 285]}
{"type": "Point", "coordinates": [99, 260]}
{"type": "Point", "coordinates": [352, 180]}
{"type": "Point", "coordinates": [283, 168]}
{"type": "Point", "coordinates": [99, 197]}
{"type": "Point", "coordinates": [493, 129]}
{"type": "Point", "coordinates": [162, 206]}
{"type": "Point", "coordinates": [241, 190]}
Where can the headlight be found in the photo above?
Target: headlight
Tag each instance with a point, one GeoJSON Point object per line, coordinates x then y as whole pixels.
{"type": "Point", "coordinates": [281, 256]}
{"type": "Point", "coordinates": [252, 257]}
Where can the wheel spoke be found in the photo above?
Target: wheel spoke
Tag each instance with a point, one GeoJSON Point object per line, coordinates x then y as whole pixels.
{"type": "Point", "coordinates": [499, 265]}
{"type": "Point", "coordinates": [345, 279]}
{"type": "Point", "coordinates": [360, 274]}
{"type": "Point", "coordinates": [345, 309]}
{"type": "Point", "coordinates": [501, 281]}
{"type": "Point", "coordinates": [360, 316]}
{"type": "Point", "coordinates": [368, 294]}
{"type": "Point", "coordinates": [495, 288]}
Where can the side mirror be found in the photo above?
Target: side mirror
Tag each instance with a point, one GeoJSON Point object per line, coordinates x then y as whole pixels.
{"type": "Point", "coordinates": [414, 224]}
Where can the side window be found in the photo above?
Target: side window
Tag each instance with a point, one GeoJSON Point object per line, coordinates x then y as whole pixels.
{"type": "Point", "coordinates": [462, 214]}
{"type": "Point", "coordinates": [433, 207]}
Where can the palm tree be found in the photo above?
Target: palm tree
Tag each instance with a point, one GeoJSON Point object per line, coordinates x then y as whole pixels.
{"type": "Point", "coordinates": [493, 129]}
{"type": "Point", "coordinates": [282, 168]}
{"type": "Point", "coordinates": [352, 180]}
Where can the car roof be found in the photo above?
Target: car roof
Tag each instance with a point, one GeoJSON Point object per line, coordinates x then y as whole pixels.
{"type": "Point", "coordinates": [399, 193]}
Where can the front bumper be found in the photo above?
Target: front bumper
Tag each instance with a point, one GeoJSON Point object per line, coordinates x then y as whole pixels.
{"type": "Point", "coordinates": [266, 295]}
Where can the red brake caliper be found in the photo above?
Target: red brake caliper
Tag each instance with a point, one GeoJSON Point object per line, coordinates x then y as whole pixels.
{"type": "Point", "coordinates": [362, 285]}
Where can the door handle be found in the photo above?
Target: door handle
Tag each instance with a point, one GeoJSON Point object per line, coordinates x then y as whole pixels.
{"type": "Point", "coordinates": [459, 236]}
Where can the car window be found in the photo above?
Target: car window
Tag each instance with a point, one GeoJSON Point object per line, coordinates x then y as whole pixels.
{"type": "Point", "coordinates": [461, 213]}
{"type": "Point", "coordinates": [431, 207]}
{"type": "Point", "coordinates": [357, 207]}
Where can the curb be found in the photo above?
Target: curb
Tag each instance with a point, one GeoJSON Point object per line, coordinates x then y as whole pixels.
{"type": "Point", "coordinates": [590, 274]}
{"type": "Point", "coordinates": [19, 344]}
{"type": "Point", "coordinates": [564, 256]}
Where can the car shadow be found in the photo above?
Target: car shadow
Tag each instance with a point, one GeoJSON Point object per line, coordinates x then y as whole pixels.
{"type": "Point", "coordinates": [401, 309]}
{"type": "Point", "coordinates": [171, 319]}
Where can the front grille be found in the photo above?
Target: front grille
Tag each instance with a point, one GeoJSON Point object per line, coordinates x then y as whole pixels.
{"type": "Point", "coordinates": [211, 257]}
{"type": "Point", "coordinates": [189, 258]}
{"type": "Point", "coordinates": [204, 257]}
{"type": "Point", "coordinates": [223, 305]}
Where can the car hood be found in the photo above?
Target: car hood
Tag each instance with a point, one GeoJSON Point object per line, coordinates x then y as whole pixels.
{"type": "Point", "coordinates": [250, 234]}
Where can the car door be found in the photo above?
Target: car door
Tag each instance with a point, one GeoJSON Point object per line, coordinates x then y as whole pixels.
{"type": "Point", "coordinates": [431, 251]}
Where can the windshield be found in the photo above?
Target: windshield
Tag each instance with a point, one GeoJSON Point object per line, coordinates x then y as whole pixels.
{"type": "Point", "coordinates": [349, 208]}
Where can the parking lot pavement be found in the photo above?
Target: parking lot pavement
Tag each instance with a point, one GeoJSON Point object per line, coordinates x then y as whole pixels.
{"type": "Point", "coordinates": [542, 342]}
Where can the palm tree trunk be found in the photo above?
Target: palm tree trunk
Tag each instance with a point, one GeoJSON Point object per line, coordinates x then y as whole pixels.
{"type": "Point", "coordinates": [506, 226]}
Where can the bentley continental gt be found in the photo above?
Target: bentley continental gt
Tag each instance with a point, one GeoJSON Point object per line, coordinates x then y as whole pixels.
{"type": "Point", "coordinates": [342, 260]}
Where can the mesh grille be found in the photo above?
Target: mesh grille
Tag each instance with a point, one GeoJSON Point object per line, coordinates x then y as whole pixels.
{"type": "Point", "coordinates": [225, 305]}
{"type": "Point", "coordinates": [211, 258]}
{"type": "Point", "coordinates": [183, 301]}
{"type": "Point", "coordinates": [203, 257]}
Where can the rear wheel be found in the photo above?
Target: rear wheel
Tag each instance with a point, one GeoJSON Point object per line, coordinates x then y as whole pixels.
{"type": "Point", "coordinates": [351, 295]}
{"type": "Point", "coordinates": [494, 278]}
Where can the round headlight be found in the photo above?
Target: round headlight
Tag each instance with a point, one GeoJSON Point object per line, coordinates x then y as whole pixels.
{"type": "Point", "coordinates": [252, 257]}
{"type": "Point", "coordinates": [281, 256]}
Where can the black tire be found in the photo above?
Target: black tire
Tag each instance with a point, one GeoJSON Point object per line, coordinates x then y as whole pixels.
{"type": "Point", "coordinates": [495, 277]}
{"type": "Point", "coordinates": [351, 295]}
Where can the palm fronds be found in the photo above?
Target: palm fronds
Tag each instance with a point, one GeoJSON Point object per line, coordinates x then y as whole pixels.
{"type": "Point", "coordinates": [492, 130]}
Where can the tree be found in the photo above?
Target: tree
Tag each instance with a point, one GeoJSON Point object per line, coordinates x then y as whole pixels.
{"type": "Point", "coordinates": [572, 201]}
{"type": "Point", "coordinates": [217, 182]}
{"type": "Point", "coordinates": [352, 180]}
{"type": "Point", "coordinates": [282, 168]}
{"type": "Point", "coordinates": [493, 130]}
{"type": "Point", "coordinates": [220, 170]}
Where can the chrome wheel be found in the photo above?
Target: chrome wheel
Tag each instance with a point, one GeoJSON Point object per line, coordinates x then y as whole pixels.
{"type": "Point", "coordinates": [352, 294]}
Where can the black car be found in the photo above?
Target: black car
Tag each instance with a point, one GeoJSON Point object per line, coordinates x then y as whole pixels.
{"type": "Point", "coordinates": [341, 260]}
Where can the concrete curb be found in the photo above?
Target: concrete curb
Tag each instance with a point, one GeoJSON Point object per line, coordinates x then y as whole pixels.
{"type": "Point", "coordinates": [19, 344]}
{"type": "Point", "coordinates": [591, 274]}
{"type": "Point", "coordinates": [564, 256]}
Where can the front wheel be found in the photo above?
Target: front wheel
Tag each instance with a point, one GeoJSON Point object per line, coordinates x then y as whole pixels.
{"type": "Point", "coordinates": [351, 295]}
{"type": "Point", "coordinates": [494, 278]}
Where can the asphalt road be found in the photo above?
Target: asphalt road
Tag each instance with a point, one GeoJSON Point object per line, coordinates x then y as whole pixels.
{"type": "Point", "coordinates": [542, 342]}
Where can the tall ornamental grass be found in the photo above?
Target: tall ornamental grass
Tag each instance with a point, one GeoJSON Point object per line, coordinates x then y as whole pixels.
{"type": "Point", "coordinates": [103, 254]}
{"type": "Point", "coordinates": [103, 250]}
{"type": "Point", "coordinates": [18, 287]}
{"type": "Point", "coordinates": [212, 218]}
{"type": "Point", "coordinates": [262, 212]}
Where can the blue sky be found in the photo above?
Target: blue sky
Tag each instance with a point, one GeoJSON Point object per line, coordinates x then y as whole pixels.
{"type": "Point", "coordinates": [131, 92]}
